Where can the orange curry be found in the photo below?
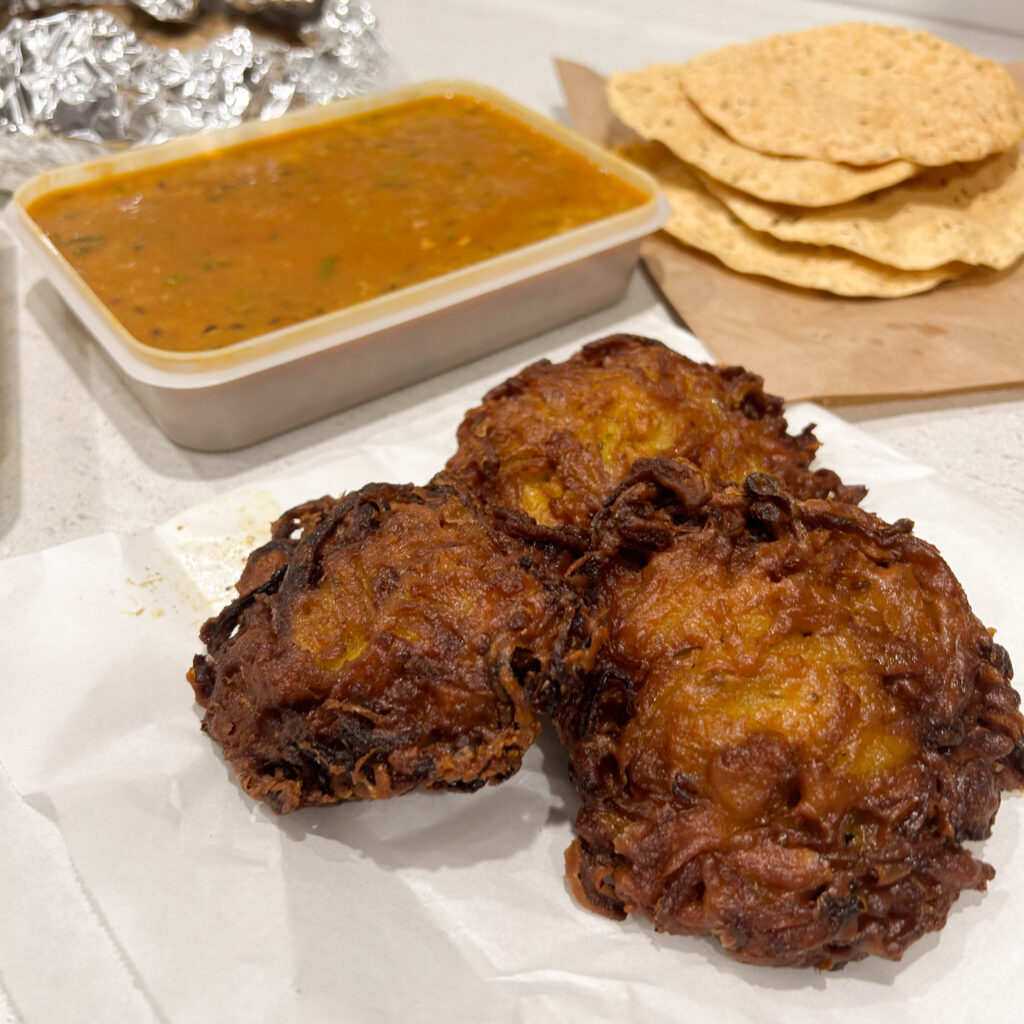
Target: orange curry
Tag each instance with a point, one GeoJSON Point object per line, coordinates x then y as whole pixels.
{"type": "Point", "coordinates": [222, 247]}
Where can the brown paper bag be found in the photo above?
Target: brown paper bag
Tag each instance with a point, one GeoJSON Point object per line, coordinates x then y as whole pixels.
{"type": "Point", "coordinates": [810, 345]}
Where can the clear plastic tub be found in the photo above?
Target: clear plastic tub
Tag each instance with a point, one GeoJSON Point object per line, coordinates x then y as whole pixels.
{"type": "Point", "coordinates": [229, 397]}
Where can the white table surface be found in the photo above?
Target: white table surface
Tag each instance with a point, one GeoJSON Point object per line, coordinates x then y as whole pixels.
{"type": "Point", "coordinates": [79, 456]}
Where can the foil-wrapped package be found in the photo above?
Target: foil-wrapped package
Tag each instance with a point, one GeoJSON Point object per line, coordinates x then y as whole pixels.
{"type": "Point", "coordinates": [79, 83]}
{"type": "Point", "coordinates": [169, 10]}
{"type": "Point", "coordinates": [161, 10]}
{"type": "Point", "coordinates": [181, 10]}
{"type": "Point", "coordinates": [294, 8]}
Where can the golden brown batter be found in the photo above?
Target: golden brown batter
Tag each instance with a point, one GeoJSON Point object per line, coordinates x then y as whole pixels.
{"type": "Point", "coordinates": [793, 723]}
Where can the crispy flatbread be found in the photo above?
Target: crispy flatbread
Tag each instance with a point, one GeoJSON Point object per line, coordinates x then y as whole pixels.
{"type": "Point", "coordinates": [969, 213]}
{"type": "Point", "coordinates": [654, 104]}
{"type": "Point", "coordinates": [700, 220]}
{"type": "Point", "coordinates": [861, 94]}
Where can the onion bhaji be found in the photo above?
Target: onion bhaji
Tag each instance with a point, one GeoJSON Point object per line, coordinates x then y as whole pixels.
{"type": "Point", "coordinates": [791, 727]}
{"type": "Point", "coordinates": [556, 439]}
{"type": "Point", "coordinates": [388, 640]}
{"type": "Point", "coordinates": [783, 719]}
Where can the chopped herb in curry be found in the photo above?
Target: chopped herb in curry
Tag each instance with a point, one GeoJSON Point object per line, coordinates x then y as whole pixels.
{"type": "Point", "coordinates": [218, 248]}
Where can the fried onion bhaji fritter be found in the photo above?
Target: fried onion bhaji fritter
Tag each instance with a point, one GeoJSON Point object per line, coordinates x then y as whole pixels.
{"type": "Point", "coordinates": [388, 640]}
{"type": "Point", "coordinates": [792, 726]}
{"type": "Point", "coordinates": [556, 439]}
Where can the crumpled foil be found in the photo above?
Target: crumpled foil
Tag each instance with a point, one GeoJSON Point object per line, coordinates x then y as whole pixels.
{"type": "Point", "coordinates": [169, 10]}
{"type": "Point", "coordinates": [180, 10]}
{"type": "Point", "coordinates": [80, 84]}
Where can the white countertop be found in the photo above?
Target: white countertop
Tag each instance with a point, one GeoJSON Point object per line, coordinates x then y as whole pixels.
{"type": "Point", "coordinates": [79, 456]}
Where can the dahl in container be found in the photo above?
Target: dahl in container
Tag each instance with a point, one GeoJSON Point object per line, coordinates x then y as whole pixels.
{"type": "Point", "coordinates": [250, 280]}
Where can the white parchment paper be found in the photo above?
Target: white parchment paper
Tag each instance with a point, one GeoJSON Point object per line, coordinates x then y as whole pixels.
{"type": "Point", "coordinates": [138, 883]}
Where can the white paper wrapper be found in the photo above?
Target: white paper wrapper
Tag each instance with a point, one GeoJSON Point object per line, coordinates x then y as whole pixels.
{"type": "Point", "coordinates": [138, 883]}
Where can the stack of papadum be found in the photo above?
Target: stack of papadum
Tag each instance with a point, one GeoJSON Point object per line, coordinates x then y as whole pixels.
{"type": "Point", "coordinates": [859, 159]}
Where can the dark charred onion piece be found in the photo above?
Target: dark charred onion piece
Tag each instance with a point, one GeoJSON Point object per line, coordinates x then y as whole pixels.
{"type": "Point", "coordinates": [284, 535]}
{"type": "Point", "coordinates": [389, 640]}
{"type": "Point", "coordinates": [556, 439]}
{"type": "Point", "coordinates": [792, 727]}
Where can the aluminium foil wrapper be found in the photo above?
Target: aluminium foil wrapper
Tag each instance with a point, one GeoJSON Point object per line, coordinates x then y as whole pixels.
{"type": "Point", "coordinates": [77, 84]}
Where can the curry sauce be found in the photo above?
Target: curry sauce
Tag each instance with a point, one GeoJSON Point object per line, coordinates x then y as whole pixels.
{"type": "Point", "coordinates": [219, 248]}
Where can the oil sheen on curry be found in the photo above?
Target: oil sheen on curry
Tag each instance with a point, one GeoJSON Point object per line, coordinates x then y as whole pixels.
{"type": "Point", "coordinates": [219, 248]}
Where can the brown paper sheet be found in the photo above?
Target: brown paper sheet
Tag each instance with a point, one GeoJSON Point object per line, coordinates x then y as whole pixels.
{"type": "Point", "coordinates": [810, 345]}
